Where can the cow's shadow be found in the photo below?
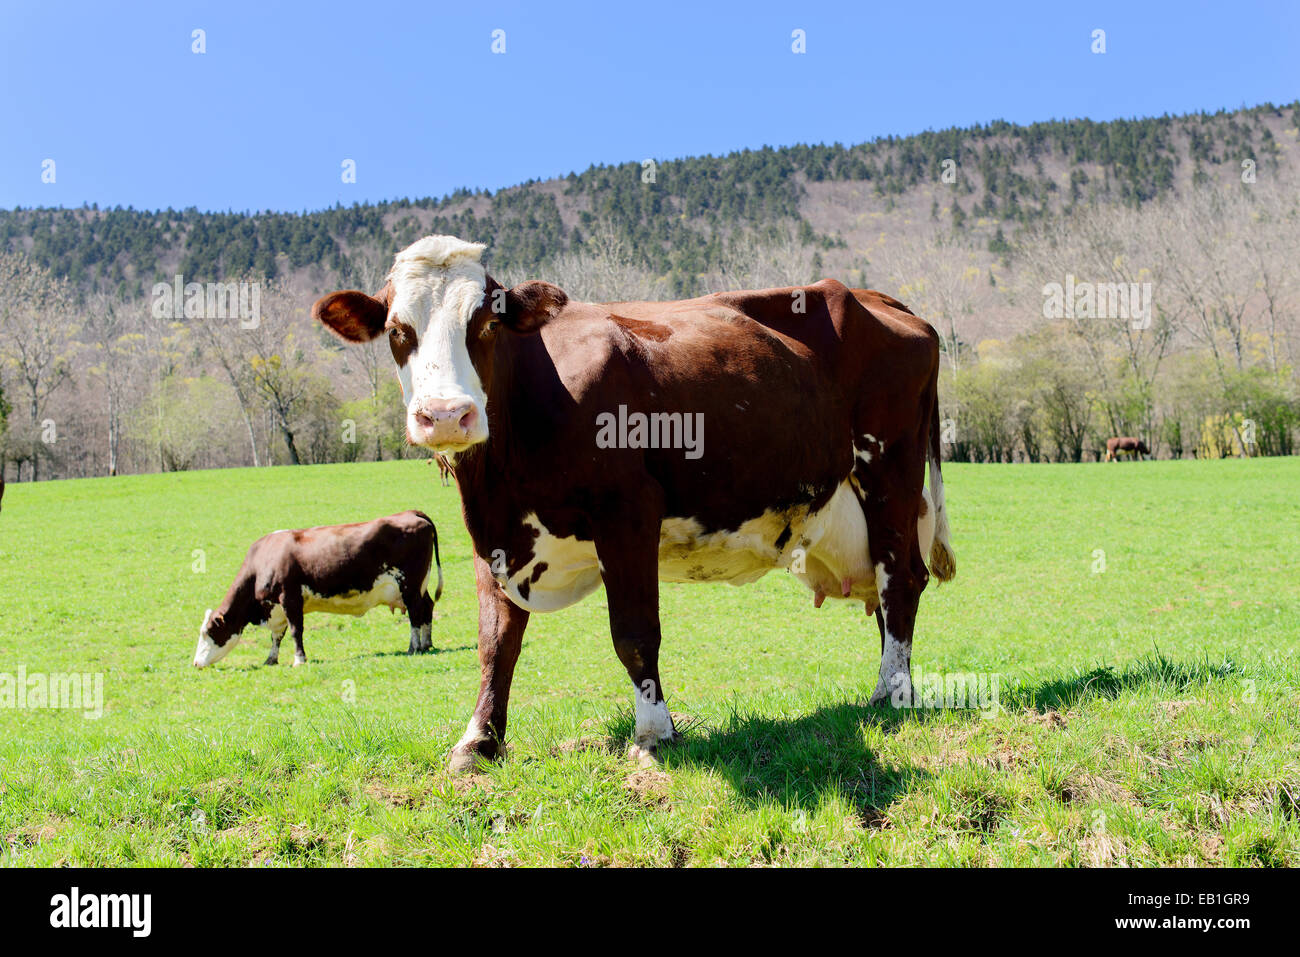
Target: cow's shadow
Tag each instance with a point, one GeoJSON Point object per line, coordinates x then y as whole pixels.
{"type": "Point", "coordinates": [802, 761]}
{"type": "Point", "coordinates": [435, 650]}
{"type": "Point", "coordinates": [1106, 681]}
{"type": "Point", "coordinates": [286, 659]}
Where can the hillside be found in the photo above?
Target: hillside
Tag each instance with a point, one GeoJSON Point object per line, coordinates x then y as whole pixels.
{"type": "Point", "coordinates": [1197, 217]}
{"type": "Point", "coordinates": [840, 199]}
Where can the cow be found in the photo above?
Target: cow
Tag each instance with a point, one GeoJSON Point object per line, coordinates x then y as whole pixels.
{"type": "Point", "coordinates": [343, 569]}
{"type": "Point", "coordinates": [1125, 443]}
{"type": "Point", "coordinates": [2, 486]}
{"type": "Point", "coordinates": [577, 435]}
{"type": "Point", "coordinates": [444, 469]}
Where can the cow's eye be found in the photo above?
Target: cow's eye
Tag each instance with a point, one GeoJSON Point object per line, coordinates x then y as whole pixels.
{"type": "Point", "coordinates": [489, 328]}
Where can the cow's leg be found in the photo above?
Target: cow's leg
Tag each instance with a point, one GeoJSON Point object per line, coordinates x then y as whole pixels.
{"type": "Point", "coordinates": [628, 547]}
{"type": "Point", "coordinates": [419, 610]}
{"type": "Point", "coordinates": [891, 494]}
{"type": "Point", "coordinates": [279, 625]}
{"type": "Point", "coordinates": [501, 626]}
{"type": "Point", "coordinates": [293, 612]}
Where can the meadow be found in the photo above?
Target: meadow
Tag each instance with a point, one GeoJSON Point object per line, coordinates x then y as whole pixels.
{"type": "Point", "coordinates": [1142, 622]}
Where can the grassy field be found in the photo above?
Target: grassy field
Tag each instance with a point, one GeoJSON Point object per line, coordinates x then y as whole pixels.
{"type": "Point", "coordinates": [1143, 622]}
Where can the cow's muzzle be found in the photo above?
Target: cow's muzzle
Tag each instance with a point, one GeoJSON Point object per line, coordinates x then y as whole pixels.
{"type": "Point", "coordinates": [446, 424]}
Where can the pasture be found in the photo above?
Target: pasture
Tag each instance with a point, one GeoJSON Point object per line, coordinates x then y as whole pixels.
{"type": "Point", "coordinates": [1143, 622]}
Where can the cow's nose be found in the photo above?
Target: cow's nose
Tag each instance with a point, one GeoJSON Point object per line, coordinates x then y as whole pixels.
{"type": "Point", "coordinates": [444, 422]}
{"type": "Point", "coordinates": [435, 412]}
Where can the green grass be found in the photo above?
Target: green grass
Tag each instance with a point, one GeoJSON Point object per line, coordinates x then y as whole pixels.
{"type": "Point", "coordinates": [1149, 711]}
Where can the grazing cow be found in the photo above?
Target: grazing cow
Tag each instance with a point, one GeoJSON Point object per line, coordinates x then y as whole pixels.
{"type": "Point", "coordinates": [1128, 444]}
{"type": "Point", "coordinates": [444, 469]}
{"type": "Point", "coordinates": [344, 569]}
{"type": "Point", "coordinates": [712, 439]}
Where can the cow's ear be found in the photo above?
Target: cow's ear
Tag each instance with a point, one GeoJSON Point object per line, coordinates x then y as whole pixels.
{"type": "Point", "coordinates": [354, 316]}
{"type": "Point", "coordinates": [529, 306]}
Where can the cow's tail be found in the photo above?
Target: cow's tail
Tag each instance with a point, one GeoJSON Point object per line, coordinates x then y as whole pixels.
{"type": "Point", "coordinates": [437, 561]}
{"type": "Point", "coordinates": [943, 563]}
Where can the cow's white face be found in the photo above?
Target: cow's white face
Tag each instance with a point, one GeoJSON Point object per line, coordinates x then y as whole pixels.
{"type": "Point", "coordinates": [437, 285]}
{"type": "Point", "coordinates": [208, 651]}
{"type": "Point", "coordinates": [434, 311]}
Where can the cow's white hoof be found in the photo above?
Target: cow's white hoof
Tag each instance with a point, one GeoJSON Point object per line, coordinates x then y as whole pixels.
{"type": "Point", "coordinates": [901, 697]}
{"type": "Point", "coordinates": [466, 761]}
{"type": "Point", "coordinates": [298, 661]}
{"type": "Point", "coordinates": [643, 757]}
{"type": "Point", "coordinates": [476, 756]}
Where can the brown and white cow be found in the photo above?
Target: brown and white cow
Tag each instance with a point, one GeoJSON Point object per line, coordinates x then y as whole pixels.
{"type": "Point", "coordinates": [343, 569]}
{"type": "Point", "coordinates": [1127, 444]}
{"type": "Point", "coordinates": [629, 443]}
{"type": "Point", "coordinates": [444, 469]}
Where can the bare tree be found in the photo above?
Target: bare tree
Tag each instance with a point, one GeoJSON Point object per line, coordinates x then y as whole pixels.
{"type": "Point", "coordinates": [604, 269]}
{"type": "Point", "coordinates": [36, 314]}
{"type": "Point", "coordinates": [111, 334]}
{"type": "Point", "coordinates": [1206, 255]}
{"type": "Point", "coordinates": [767, 259]}
{"type": "Point", "coordinates": [1271, 247]}
{"type": "Point", "coordinates": [222, 340]}
{"type": "Point", "coordinates": [1117, 248]}
{"type": "Point", "coordinates": [280, 355]}
{"type": "Point", "coordinates": [935, 273]}
{"type": "Point", "coordinates": [373, 358]}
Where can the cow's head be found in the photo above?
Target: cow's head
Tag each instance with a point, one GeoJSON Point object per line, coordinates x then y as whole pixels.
{"type": "Point", "coordinates": [442, 313]}
{"type": "Point", "coordinates": [215, 640]}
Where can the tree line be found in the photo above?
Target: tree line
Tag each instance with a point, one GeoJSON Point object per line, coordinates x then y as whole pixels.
{"type": "Point", "coordinates": [1132, 301]}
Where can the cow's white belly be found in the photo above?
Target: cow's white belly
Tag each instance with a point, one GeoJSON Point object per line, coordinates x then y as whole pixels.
{"type": "Point", "coordinates": [386, 590]}
{"type": "Point", "coordinates": [826, 549]}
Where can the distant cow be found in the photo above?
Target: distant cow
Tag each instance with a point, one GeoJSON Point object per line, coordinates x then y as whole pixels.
{"type": "Point", "coordinates": [1128, 444]}
{"type": "Point", "coordinates": [444, 469]}
{"type": "Point", "coordinates": [344, 569]}
{"type": "Point", "coordinates": [2, 484]}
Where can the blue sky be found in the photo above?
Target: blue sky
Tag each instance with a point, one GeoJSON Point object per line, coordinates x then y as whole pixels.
{"type": "Point", "coordinates": [284, 93]}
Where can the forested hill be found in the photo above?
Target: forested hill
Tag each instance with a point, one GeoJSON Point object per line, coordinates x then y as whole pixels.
{"type": "Point", "coordinates": [677, 215]}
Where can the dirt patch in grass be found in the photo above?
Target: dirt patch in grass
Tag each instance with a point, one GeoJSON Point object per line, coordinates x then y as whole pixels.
{"type": "Point", "coordinates": [388, 796]}
{"type": "Point", "coordinates": [1007, 748]}
{"type": "Point", "coordinates": [648, 786]}
{"type": "Point", "coordinates": [1051, 718]}
{"type": "Point", "coordinates": [1211, 846]}
{"type": "Point", "coordinates": [1101, 849]}
{"type": "Point", "coordinates": [491, 856]}
{"type": "Point", "coordinates": [30, 835]}
{"type": "Point", "coordinates": [1087, 788]}
{"type": "Point", "coordinates": [264, 843]}
{"type": "Point", "coordinates": [874, 818]}
{"type": "Point", "coordinates": [252, 835]}
{"type": "Point", "coordinates": [1280, 797]}
{"type": "Point", "coordinates": [590, 857]}
{"type": "Point", "coordinates": [1188, 742]}
{"type": "Point", "coordinates": [219, 786]}
{"type": "Point", "coordinates": [468, 783]}
{"type": "Point", "coordinates": [1172, 709]}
